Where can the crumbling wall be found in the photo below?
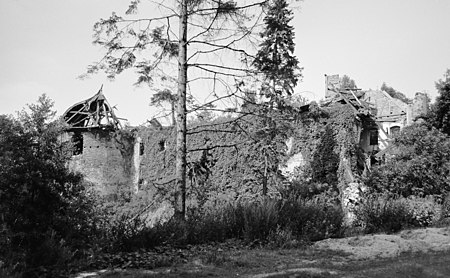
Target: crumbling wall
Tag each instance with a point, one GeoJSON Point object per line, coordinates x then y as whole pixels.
{"type": "Point", "coordinates": [328, 140]}
{"type": "Point", "coordinates": [384, 103]}
{"type": "Point", "coordinates": [325, 143]}
{"type": "Point", "coordinates": [104, 160]}
{"type": "Point", "coordinates": [223, 164]}
{"type": "Point", "coordinates": [420, 105]}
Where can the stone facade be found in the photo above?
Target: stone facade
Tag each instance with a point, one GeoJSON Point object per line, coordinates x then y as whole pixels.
{"type": "Point", "coordinates": [104, 159]}
{"type": "Point", "coordinates": [393, 114]}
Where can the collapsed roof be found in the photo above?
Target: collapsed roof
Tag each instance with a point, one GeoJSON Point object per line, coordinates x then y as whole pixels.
{"type": "Point", "coordinates": [94, 112]}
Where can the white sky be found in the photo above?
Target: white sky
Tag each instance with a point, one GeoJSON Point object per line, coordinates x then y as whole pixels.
{"type": "Point", "coordinates": [46, 44]}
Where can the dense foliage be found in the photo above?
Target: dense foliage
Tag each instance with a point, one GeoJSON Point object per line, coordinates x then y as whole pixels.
{"type": "Point", "coordinates": [347, 83]}
{"type": "Point", "coordinates": [263, 220]}
{"type": "Point", "coordinates": [394, 93]}
{"type": "Point", "coordinates": [440, 111]}
{"type": "Point", "coordinates": [43, 211]}
{"type": "Point", "coordinates": [275, 59]}
{"type": "Point", "coordinates": [418, 163]}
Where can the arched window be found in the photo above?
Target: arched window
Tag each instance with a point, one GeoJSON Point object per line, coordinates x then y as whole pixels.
{"type": "Point", "coordinates": [394, 130]}
{"type": "Point", "coordinates": [373, 137]}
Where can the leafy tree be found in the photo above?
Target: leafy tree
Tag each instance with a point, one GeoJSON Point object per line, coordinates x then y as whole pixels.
{"type": "Point", "coordinates": [394, 93]}
{"type": "Point", "coordinates": [210, 29]}
{"type": "Point", "coordinates": [40, 198]}
{"type": "Point", "coordinates": [440, 111]}
{"type": "Point", "coordinates": [418, 163]}
{"type": "Point", "coordinates": [347, 83]}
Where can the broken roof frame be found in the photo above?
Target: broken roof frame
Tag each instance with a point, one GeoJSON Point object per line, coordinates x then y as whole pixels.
{"type": "Point", "coordinates": [94, 112]}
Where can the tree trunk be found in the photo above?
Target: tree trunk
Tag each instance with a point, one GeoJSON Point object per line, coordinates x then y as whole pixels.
{"type": "Point", "coordinates": [180, 194]}
{"type": "Point", "coordinates": [172, 107]}
{"type": "Point", "coordinates": [265, 179]}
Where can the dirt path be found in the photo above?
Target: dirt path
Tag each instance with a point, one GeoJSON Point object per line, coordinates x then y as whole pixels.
{"type": "Point", "coordinates": [410, 253]}
{"type": "Point", "coordinates": [385, 246]}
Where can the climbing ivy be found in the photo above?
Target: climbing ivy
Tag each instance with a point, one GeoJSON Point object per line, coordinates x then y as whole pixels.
{"type": "Point", "coordinates": [225, 155]}
{"type": "Point", "coordinates": [327, 137]}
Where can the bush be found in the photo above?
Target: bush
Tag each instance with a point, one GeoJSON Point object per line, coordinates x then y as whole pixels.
{"type": "Point", "coordinates": [265, 221]}
{"type": "Point", "coordinates": [424, 211]}
{"type": "Point", "coordinates": [445, 211]}
{"type": "Point", "coordinates": [260, 219]}
{"type": "Point", "coordinates": [418, 164]}
{"type": "Point", "coordinates": [45, 209]}
{"type": "Point", "coordinates": [383, 213]}
{"type": "Point", "coordinates": [311, 219]}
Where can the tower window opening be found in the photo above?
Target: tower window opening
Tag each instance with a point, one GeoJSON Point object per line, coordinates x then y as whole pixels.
{"type": "Point", "coordinates": [77, 141]}
{"type": "Point", "coordinates": [373, 137]}
{"type": "Point", "coordinates": [162, 145]}
{"type": "Point", "coordinates": [141, 148]}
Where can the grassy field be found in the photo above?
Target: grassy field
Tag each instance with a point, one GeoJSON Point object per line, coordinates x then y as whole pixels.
{"type": "Point", "coordinates": [304, 262]}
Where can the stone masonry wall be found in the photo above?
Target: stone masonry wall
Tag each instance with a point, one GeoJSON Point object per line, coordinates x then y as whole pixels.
{"type": "Point", "coordinates": [103, 161]}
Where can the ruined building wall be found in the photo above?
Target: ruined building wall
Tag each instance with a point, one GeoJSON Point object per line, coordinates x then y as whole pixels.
{"type": "Point", "coordinates": [104, 160]}
{"type": "Point", "coordinates": [143, 160]}
{"type": "Point", "coordinates": [386, 105]}
{"type": "Point", "coordinates": [217, 174]}
{"type": "Point", "coordinates": [420, 105]}
{"type": "Point", "coordinates": [330, 145]}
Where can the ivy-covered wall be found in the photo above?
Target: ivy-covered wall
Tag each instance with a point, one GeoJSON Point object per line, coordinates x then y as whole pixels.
{"type": "Point", "coordinates": [230, 159]}
{"type": "Point", "coordinates": [222, 164]}
{"type": "Point", "coordinates": [225, 161]}
{"type": "Point", "coordinates": [328, 139]}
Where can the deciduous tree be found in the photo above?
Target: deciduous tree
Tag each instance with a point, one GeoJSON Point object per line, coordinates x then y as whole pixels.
{"type": "Point", "coordinates": [440, 111]}
{"type": "Point", "coordinates": [39, 196]}
{"type": "Point", "coordinates": [347, 83]}
{"type": "Point", "coordinates": [418, 163]}
{"type": "Point", "coordinates": [394, 93]}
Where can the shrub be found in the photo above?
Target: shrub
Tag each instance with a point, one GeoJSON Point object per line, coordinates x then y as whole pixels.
{"type": "Point", "coordinates": [282, 238]}
{"type": "Point", "coordinates": [383, 213]}
{"type": "Point", "coordinates": [43, 205]}
{"type": "Point", "coordinates": [445, 211]}
{"type": "Point", "coordinates": [313, 219]}
{"type": "Point", "coordinates": [418, 163]}
{"type": "Point", "coordinates": [260, 219]}
{"type": "Point", "coordinates": [424, 211]}
{"type": "Point", "coordinates": [277, 222]}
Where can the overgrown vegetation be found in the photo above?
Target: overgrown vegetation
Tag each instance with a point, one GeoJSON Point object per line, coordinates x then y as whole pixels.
{"type": "Point", "coordinates": [50, 220]}
{"type": "Point", "coordinates": [44, 208]}
{"type": "Point", "coordinates": [394, 93]}
{"type": "Point", "coordinates": [417, 164]}
{"type": "Point", "coordinates": [439, 115]}
{"type": "Point", "coordinates": [411, 187]}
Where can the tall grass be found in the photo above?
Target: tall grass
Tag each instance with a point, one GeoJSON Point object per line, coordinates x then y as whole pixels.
{"type": "Point", "coordinates": [263, 220]}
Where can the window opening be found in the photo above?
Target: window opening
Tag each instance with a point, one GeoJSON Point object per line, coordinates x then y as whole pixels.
{"type": "Point", "coordinates": [162, 145]}
{"type": "Point", "coordinates": [395, 130]}
{"type": "Point", "coordinates": [141, 148]}
{"type": "Point", "coordinates": [77, 141]}
{"type": "Point", "coordinates": [374, 137]}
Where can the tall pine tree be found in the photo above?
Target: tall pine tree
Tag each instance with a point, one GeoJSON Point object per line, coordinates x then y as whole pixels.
{"type": "Point", "coordinates": [275, 59]}
{"type": "Point", "coordinates": [280, 72]}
